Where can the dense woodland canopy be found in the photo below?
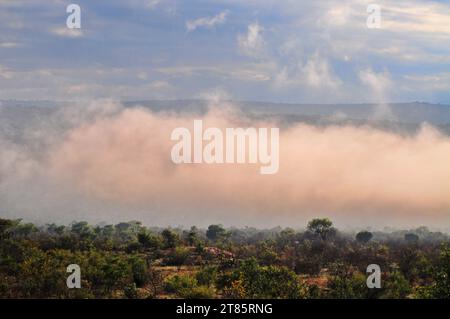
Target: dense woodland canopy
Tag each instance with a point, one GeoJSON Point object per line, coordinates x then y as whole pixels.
{"type": "Point", "coordinates": [129, 260]}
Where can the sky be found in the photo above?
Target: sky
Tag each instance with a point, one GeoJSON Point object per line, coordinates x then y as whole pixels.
{"type": "Point", "coordinates": [279, 51]}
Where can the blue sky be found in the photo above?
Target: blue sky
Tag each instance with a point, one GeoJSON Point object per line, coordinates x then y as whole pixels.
{"type": "Point", "coordinates": [284, 51]}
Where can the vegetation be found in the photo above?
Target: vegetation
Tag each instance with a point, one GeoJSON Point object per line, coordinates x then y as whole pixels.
{"type": "Point", "coordinates": [129, 260]}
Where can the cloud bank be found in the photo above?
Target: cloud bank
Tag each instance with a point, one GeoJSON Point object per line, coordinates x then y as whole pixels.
{"type": "Point", "coordinates": [114, 164]}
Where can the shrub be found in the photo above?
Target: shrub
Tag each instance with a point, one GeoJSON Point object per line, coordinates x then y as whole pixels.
{"type": "Point", "coordinates": [177, 257]}
{"type": "Point", "coordinates": [179, 282]}
{"type": "Point", "coordinates": [199, 292]}
{"type": "Point", "coordinates": [207, 276]}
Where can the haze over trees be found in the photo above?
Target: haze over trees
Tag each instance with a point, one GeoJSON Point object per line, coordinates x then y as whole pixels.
{"type": "Point", "coordinates": [56, 121]}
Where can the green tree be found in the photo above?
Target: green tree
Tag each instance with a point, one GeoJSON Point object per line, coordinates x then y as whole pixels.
{"type": "Point", "coordinates": [346, 282]}
{"type": "Point", "coordinates": [5, 225]}
{"type": "Point", "coordinates": [411, 238]}
{"type": "Point", "coordinates": [253, 281]}
{"type": "Point", "coordinates": [364, 236]}
{"type": "Point", "coordinates": [216, 232]}
{"type": "Point", "coordinates": [171, 239]}
{"type": "Point", "coordinates": [207, 275]}
{"type": "Point", "coordinates": [396, 285]}
{"type": "Point", "coordinates": [323, 227]}
{"type": "Point", "coordinates": [82, 230]}
{"type": "Point", "coordinates": [441, 287]}
{"type": "Point", "coordinates": [148, 240]}
{"type": "Point", "coordinates": [192, 237]}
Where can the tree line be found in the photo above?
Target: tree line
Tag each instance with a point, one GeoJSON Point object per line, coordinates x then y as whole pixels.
{"type": "Point", "coordinates": [130, 260]}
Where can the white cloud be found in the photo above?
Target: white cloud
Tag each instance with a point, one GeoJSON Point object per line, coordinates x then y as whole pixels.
{"type": "Point", "coordinates": [80, 83]}
{"type": "Point", "coordinates": [257, 72]}
{"type": "Point", "coordinates": [152, 3]}
{"type": "Point", "coordinates": [207, 22]}
{"type": "Point", "coordinates": [411, 30]}
{"type": "Point", "coordinates": [142, 75]}
{"type": "Point", "coordinates": [168, 7]}
{"type": "Point", "coordinates": [319, 74]}
{"type": "Point", "coordinates": [429, 82]}
{"type": "Point", "coordinates": [339, 15]}
{"type": "Point", "coordinates": [252, 43]}
{"type": "Point", "coordinates": [380, 85]}
{"type": "Point", "coordinates": [378, 82]}
{"type": "Point", "coordinates": [155, 85]}
{"type": "Point", "coordinates": [315, 73]}
{"type": "Point", "coordinates": [8, 45]}
{"type": "Point", "coordinates": [6, 73]}
{"type": "Point", "coordinates": [67, 33]}
{"type": "Point", "coordinates": [278, 51]}
{"type": "Point", "coordinates": [418, 16]}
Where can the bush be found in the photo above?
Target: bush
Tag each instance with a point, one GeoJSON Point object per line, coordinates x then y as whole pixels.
{"type": "Point", "coordinates": [200, 292]}
{"type": "Point", "coordinates": [207, 276]}
{"type": "Point", "coordinates": [179, 282]}
{"type": "Point", "coordinates": [186, 286]}
{"type": "Point", "coordinates": [130, 291]}
{"type": "Point", "coordinates": [265, 282]}
{"type": "Point", "coordinates": [397, 286]}
{"type": "Point", "coordinates": [177, 257]}
{"type": "Point", "coordinates": [139, 271]}
{"type": "Point", "coordinates": [346, 282]}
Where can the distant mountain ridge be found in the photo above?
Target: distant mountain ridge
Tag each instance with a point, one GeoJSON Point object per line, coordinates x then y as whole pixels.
{"type": "Point", "coordinates": [408, 117]}
{"type": "Point", "coordinates": [414, 112]}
